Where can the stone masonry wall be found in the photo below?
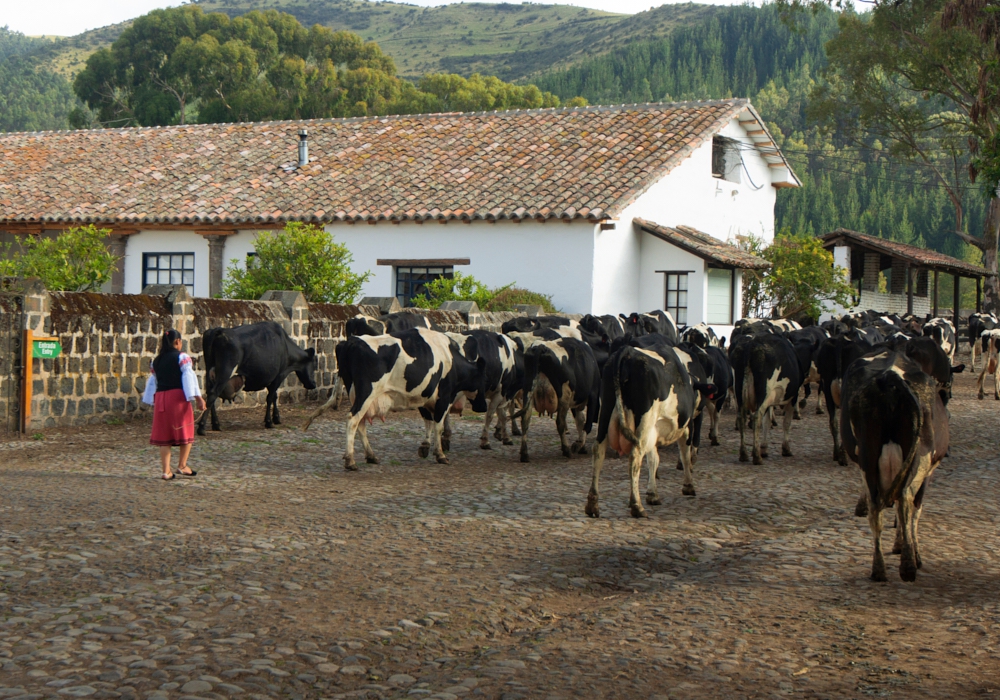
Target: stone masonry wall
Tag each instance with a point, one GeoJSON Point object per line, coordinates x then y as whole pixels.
{"type": "Point", "coordinates": [109, 340]}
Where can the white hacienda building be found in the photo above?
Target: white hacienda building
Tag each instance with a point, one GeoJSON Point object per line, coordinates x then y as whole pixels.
{"type": "Point", "coordinates": [606, 209]}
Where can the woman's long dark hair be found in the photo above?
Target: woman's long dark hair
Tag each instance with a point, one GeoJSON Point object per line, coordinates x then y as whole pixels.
{"type": "Point", "coordinates": [167, 342]}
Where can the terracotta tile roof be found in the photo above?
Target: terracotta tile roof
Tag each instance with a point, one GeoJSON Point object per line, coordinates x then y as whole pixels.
{"type": "Point", "coordinates": [703, 245]}
{"type": "Point", "coordinates": [564, 163]}
{"type": "Point", "coordinates": [919, 257]}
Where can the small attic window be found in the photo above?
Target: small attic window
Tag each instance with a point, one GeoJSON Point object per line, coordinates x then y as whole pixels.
{"type": "Point", "coordinates": [726, 159]}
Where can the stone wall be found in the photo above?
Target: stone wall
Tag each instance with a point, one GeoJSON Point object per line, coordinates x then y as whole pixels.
{"type": "Point", "coordinates": [109, 340]}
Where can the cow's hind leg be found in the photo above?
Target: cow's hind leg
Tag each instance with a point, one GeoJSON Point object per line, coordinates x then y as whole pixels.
{"type": "Point", "coordinates": [438, 429]}
{"type": "Point", "coordinates": [353, 422]}
{"type": "Point", "coordinates": [562, 427]}
{"type": "Point", "coordinates": [765, 431]}
{"type": "Point", "coordinates": [204, 414]}
{"type": "Point", "coordinates": [685, 451]}
{"type": "Point", "coordinates": [491, 409]}
{"type": "Point", "coordinates": [593, 508]}
{"type": "Point", "coordinates": [741, 424]}
{"type": "Point", "coordinates": [446, 434]}
{"type": "Point", "coordinates": [369, 452]}
{"type": "Point", "coordinates": [580, 418]}
{"type": "Point", "coordinates": [268, 402]}
{"type": "Point", "coordinates": [756, 419]}
{"type": "Point", "coordinates": [713, 422]}
{"type": "Point", "coordinates": [652, 465]}
{"type": "Point", "coordinates": [878, 560]}
{"type": "Point", "coordinates": [525, 424]}
{"type": "Point", "coordinates": [786, 427]}
{"type": "Point", "coordinates": [634, 467]}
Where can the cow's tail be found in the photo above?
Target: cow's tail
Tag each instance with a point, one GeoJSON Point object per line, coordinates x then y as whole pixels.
{"type": "Point", "coordinates": [333, 401]}
{"type": "Point", "coordinates": [749, 394]}
{"type": "Point", "coordinates": [623, 424]}
{"type": "Point", "coordinates": [531, 372]}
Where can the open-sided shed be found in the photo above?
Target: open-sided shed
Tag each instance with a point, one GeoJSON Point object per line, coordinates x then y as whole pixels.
{"type": "Point", "coordinates": [914, 271]}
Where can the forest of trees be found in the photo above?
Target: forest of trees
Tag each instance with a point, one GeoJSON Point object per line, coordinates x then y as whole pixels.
{"type": "Point", "coordinates": [31, 98]}
{"type": "Point", "coordinates": [751, 52]}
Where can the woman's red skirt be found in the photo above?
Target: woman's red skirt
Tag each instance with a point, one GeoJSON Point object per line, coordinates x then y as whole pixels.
{"type": "Point", "coordinates": [173, 419]}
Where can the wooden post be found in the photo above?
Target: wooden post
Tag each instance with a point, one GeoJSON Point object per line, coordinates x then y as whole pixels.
{"type": "Point", "coordinates": [909, 289]}
{"type": "Point", "coordinates": [979, 295]}
{"type": "Point", "coordinates": [935, 293]}
{"type": "Point", "coordinates": [956, 300]}
{"type": "Point", "coordinates": [27, 365]}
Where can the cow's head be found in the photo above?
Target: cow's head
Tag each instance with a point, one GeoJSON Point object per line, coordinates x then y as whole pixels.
{"type": "Point", "coordinates": [307, 371]}
{"type": "Point", "coordinates": [363, 325]}
{"type": "Point", "coordinates": [934, 362]}
{"type": "Point", "coordinates": [592, 324]}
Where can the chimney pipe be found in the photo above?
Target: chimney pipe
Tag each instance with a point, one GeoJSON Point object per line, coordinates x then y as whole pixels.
{"type": "Point", "coordinates": [303, 148]}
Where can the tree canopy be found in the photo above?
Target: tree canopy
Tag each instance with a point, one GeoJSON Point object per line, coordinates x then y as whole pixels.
{"type": "Point", "coordinates": [77, 260]}
{"type": "Point", "coordinates": [31, 97]}
{"type": "Point", "coordinates": [181, 64]}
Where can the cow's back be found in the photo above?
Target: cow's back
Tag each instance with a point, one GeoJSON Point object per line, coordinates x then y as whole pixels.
{"type": "Point", "coordinates": [259, 350]}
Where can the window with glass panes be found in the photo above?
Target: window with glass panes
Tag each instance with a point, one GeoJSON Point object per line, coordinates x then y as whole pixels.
{"type": "Point", "coordinates": [677, 296]}
{"type": "Point", "coordinates": [168, 268]}
{"type": "Point", "coordinates": [412, 281]}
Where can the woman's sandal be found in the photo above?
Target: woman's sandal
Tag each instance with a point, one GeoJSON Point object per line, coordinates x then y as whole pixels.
{"type": "Point", "coordinates": [191, 473]}
{"type": "Point", "coordinates": [169, 478]}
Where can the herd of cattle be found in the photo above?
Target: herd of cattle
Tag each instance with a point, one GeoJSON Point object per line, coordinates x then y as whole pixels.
{"type": "Point", "coordinates": [646, 385]}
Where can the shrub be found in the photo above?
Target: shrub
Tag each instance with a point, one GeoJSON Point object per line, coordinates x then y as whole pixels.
{"type": "Point", "coordinates": [302, 258]}
{"type": "Point", "coordinates": [468, 288]}
{"type": "Point", "coordinates": [77, 260]}
{"type": "Point", "coordinates": [508, 298]}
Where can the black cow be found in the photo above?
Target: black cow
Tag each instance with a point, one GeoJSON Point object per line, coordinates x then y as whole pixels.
{"type": "Point", "coordinates": [977, 324]}
{"type": "Point", "coordinates": [363, 325]}
{"type": "Point", "coordinates": [897, 433]}
{"type": "Point", "coordinates": [806, 342]}
{"type": "Point", "coordinates": [503, 373]}
{"type": "Point", "coordinates": [560, 376]}
{"type": "Point", "coordinates": [611, 326]}
{"type": "Point", "coordinates": [767, 375]}
{"type": "Point", "coordinates": [833, 357]}
{"type": "Point", "coordinates": [261, 355]}
{"type": "Point", "coordinates": [701, 335]}
{"type": "Point", "coordinates": [417, 368]}
{"type": "Point", "coordinates": [647, 400]}
{"type": "Point", "coordinates": [723, 379]}
{"type": "Point", "coordinates": [653, 322]}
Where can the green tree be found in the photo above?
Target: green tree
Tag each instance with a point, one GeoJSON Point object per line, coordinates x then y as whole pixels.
{"type": "Point", "coordinates": [303, 258]}
{"type": "Point", "coordinates": [467, 288]}
{"type": "Point", "coordinates": [77, 260]}
{"type": "Point", "coordinates": [803, 278]}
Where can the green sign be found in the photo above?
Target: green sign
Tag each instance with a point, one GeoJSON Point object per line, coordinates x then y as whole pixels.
{"type": "Point", "coordinates": [46, 349]}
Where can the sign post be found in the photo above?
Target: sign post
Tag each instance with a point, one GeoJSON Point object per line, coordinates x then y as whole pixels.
{"type": "Point", "coordinates": [40, 347]}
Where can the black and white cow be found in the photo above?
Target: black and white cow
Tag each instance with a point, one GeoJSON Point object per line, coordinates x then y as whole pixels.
{"type": "Point", "coordinates": [647, 401]}
{"type": "Point", "coordinates": [833, 357]}
{"type": "Point", "coordinates": [806, 342]}
{"type": "Point", "coordinates": [701, 335]}
{"type": "Point", "coordinates": [724, 380]}
{"type": "Point", "coordinates": [991, 358]}
{"type": "Point", "coordinates": [417, 368]}
{"type": "Point", "coordinates": [560, 377]}
{"type": "Point", "coordinates": [896, 431]}
{"type": "Point", "coordinates": [252, 357]}
{"type": "Point", "coordinates": [767, 376]}
{"type": "Point", "coordinates": [943, 332]}
{"type": "Point", "coordinates": [563, 327]}
{"type": "Point", "coordinates": [653, 322]}
{"type": "Point", "coordinates": [977, 324]}
{"type": "Point", "coordinates": [611, 326]}
{"type": "Point", "coordinates": [502, 375]}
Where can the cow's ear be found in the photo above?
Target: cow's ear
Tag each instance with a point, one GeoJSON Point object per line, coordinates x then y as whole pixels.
{"type": "Point", "coordinates": [958, 369]}
{"type": "Point", "coordinates": [623, 316]}
{"type": "Point", "coordinates": [311, 352]}
{"type": "Point", "coordinates": [722, 342]}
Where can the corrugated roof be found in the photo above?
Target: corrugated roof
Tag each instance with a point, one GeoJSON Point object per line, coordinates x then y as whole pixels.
{"type": "Point", "coordinates": [919, 257]}
{"type": "Point", "coordinates": [703, 245]}
{"type": "Point", "coordinates": [583, 163]}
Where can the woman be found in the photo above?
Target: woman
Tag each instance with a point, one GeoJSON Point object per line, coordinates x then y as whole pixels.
{"type": "Point", "coordinates": [170, 390]}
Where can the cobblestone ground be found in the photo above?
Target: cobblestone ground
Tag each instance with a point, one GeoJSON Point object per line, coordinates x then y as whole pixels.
{"type": "Point", "coordinates": [276, 574]}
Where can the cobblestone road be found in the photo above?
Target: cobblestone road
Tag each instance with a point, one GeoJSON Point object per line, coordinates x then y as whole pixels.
{"type": "Point", "coordinates": [275, 573]}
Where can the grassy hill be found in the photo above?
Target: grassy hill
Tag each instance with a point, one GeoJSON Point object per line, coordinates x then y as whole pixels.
{"type": "Point", "coordinates": [511, 41]}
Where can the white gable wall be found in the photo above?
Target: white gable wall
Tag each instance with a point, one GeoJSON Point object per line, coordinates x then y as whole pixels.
{"type": "Point", "coordinates": [165, 242]}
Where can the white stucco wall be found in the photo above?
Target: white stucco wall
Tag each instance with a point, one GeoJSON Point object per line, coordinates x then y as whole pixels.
{"type": "Point", "coordinates": [553, 258]}
{"type": "Point", "coordinates": [237, 247]}
{"type": "Point", "coordinates": [690, 196]}
{"type": "Point", "coordinates": [660, 255]}
{"type": "Point", "coordinates": [165, 242]}
{"type": "Point", "coordinates": [617, 256]}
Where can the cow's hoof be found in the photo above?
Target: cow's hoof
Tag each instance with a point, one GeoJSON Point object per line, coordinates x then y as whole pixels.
{"type": "Point", "coordinates": [201, 430]}
{"type": "Point", "coordinates": [497, 434]}
{"type": "Point", "coordinates": [508, 441]}
{"type": "Point", "coordinates": [350, 465]}
{"type": "Point", "coordinates": [217, 428]}
{"type": "Point", "coordinates": [485, 445]}
{"type": "Point", "coordinates": [763, 453]}
{"type": "Point", "coordinates": [757, 460]}
{"type": "Point", "coordinates": [786, 451]}
{"type": "Point", "coordinates": [680, 466]}
{"type": "Point", "coordinates": [515, 431]}
{"type": "Point", "coordinates": [908, 570]}
{"type": "Point", "coordinates": [446, 444]}
{"type": "Point", "coordinates": [423, 451]}
{"type": "Point", "coordinates": [578, 448]}
{"type": "Point", "coordinates": [744, 457]}
{"type": "Point", "coordinates": [652, 499]}
{"type": "Point", "coordinates": [566, 452]}
{"type": "Point", "coordinates": [981, 396]}
{"type": "Point", "coordinates": [593, 510]}
{"type": "Point", "coordinates": [819, 411]}
{"type": "Point", "coordinates": [796, 416]}
{"type": "Point", "coordinates": [802, 403]}
{"type": "Point", "coordinates": [524, 456]}
{"type": "Point", "coordinates": [637, 510]}
{"type": "Point", "coordinates": [269, 426]}
{"type": "Point", "coordinates": [372, 460]}
{"type": "Point", "coordinates": [842, 461]}
{"type": "Point", "coordinates": [276, 421]}
{"type": "Point", "coordinates": [688, 490]}
{"type": "Point", "coordinates": [878, 574]}
{"type": "Point", "coordinates": [861, 509]}
{"type": "Point", "coordinates": [443, 460]}
{"type": "Point", "coordinates": [715, 442]}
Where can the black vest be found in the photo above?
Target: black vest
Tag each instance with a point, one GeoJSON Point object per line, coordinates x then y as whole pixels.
{"type": "Point", "coordinates": [167, 368]}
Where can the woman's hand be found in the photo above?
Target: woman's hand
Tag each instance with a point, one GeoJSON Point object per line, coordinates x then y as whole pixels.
{"type": "Point", "coordinates": [200, 403]}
